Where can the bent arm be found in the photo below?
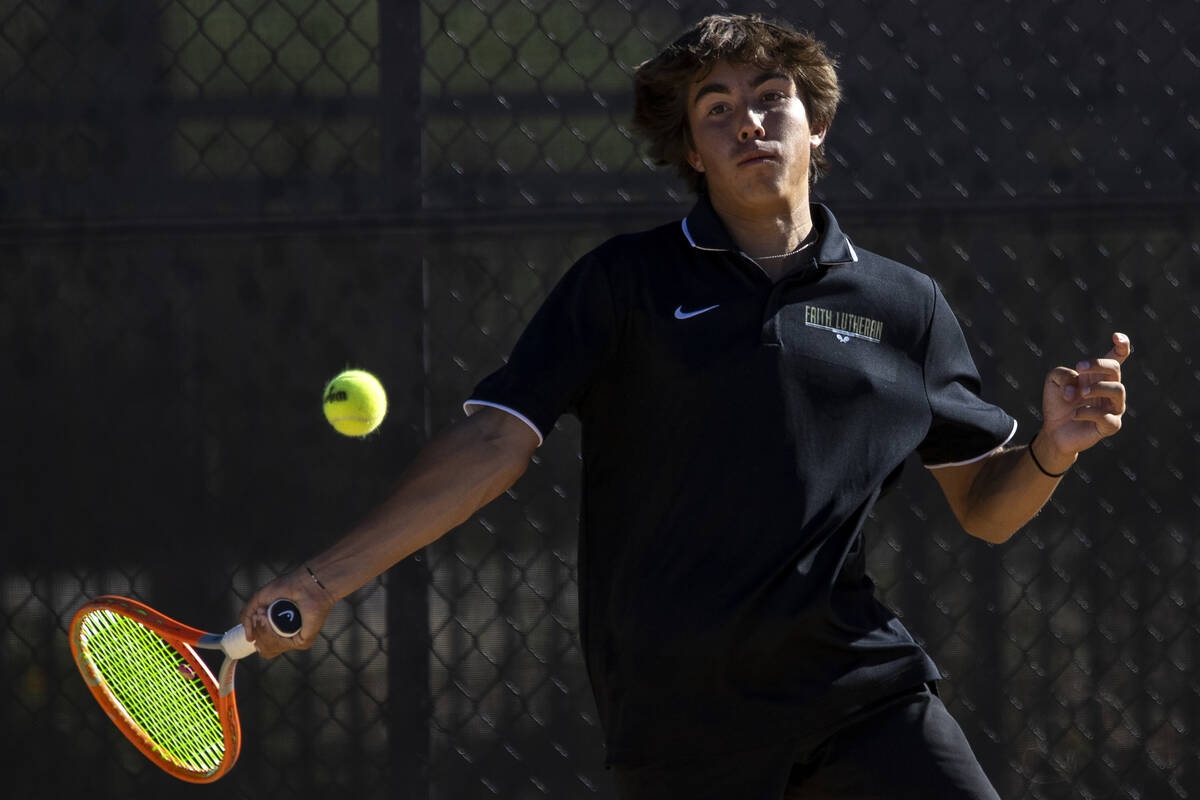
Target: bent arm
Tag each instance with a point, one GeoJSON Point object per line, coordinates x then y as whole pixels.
{"type": "Point", "coordinates": [993, 498]}
{"type": "Point", "coordinates": [457, 473]}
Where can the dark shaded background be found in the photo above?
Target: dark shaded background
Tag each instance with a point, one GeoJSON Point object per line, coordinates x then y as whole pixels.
{"type": "Point", "coordinates": [209, 207]}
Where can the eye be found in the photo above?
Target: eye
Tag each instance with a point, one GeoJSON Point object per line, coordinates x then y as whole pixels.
{"type": "Point", "coordinates": [718, 108]}
{"type": "Point", "coordinates": [774, 96]}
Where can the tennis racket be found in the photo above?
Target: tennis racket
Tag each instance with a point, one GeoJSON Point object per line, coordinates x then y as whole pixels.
{"type": "Point", "coordinates": [143, 669]}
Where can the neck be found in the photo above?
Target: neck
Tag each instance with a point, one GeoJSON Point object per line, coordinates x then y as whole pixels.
{"type": "Point", "coordinates": [764, 233]}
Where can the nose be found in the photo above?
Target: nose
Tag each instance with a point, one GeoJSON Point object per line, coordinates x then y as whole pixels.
{"type": "Point", "coordinates": [751, 126]}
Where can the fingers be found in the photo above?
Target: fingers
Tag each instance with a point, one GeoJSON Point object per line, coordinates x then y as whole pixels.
{"type": "Point", "coordinates": [1107, 397]}
{"type": "Point", "coordinates": [1111, 391]}
{"type": "Point", "coordinates": [1083, 405]}
{"type": "Point", "coordinates": [1065, 380]}
{"type": "Point", "coordinates": [1107, 423]}
{"type": "Point", "coordinates": [314, 604]}
{"type": "Point", "coordinates": [1088, 389]}
{"type": "Point", "coordinates": [1122, 347]}
{"type": "Point", "coordinates": [1062, 377]}
{"type": "Point", "coordinates": [258, 629]}
{"type": "Point", "coordinates": [1108, 366]}
{"type": "Point", "coordinates": [1100, 369]}
{"type": "Point", "coordinates": [249, 612]}
{"type": "Point", "coordinates": [1099, 380]}
{"type": "Point", "coordinates": [268, 643]}
{"type": "Point", "coordinates": [256, 622]}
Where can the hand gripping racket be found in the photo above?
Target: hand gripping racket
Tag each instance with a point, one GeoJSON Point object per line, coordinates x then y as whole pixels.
{"type": "Point", "coordinates": [144, 671]}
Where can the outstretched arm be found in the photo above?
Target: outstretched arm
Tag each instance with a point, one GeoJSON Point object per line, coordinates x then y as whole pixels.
{"type": "Point", "coordinates": [458, 472]}
{"type": "Point", "coordinates": [994, 497]}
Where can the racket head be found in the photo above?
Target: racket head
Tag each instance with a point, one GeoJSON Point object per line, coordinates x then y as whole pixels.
{"type": "Point", "coordinates": [143, 670]}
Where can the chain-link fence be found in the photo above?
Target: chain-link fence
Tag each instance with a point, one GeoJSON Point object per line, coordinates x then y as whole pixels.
{"type": "Point", "coordinates": [207, 207]}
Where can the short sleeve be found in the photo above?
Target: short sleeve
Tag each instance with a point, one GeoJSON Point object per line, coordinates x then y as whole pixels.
{"type": "Point", "coordinates": [964, 426]}
{"type": "Point", "coordinates": [559, 353]}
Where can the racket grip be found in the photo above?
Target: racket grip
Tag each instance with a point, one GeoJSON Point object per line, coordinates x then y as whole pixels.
{"type": "Point", "coordinates": [284, 616]}
{"type": "Point", "coordinates": [235, 644]}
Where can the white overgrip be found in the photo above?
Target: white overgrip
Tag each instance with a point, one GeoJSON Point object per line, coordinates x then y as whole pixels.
{"type": "Point", "coordinates": [235, 644]}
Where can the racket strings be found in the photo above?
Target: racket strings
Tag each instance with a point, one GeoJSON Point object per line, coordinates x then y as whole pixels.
{"type": "Point", "coordinates": [156, 688]}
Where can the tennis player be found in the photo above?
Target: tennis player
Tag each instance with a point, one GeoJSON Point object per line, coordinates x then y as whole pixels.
{"type": "Point", "coordinates": [748, 382]}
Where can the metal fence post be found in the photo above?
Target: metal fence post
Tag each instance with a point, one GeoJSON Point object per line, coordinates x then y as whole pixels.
{"type": "Point", "coordinates": [400, 61]}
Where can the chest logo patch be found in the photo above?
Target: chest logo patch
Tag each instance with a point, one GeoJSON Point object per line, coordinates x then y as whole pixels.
{"type": "Point", "coordinates": [681, 314]}
{"type": "Point", "coordinates": [844, 325]}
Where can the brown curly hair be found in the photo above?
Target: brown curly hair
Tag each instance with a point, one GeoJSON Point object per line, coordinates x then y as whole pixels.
{"type": "Point", "coordinates": [661, 84]}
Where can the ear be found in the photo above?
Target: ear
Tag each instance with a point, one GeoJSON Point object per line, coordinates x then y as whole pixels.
{"type": "Point", "coordinates": [817, 135]}
{"type": "Point", "coordinates": [693, 158]}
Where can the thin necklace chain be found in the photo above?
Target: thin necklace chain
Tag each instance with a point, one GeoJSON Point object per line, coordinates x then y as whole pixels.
{"type": "Point", "coordinates": [804, 246]}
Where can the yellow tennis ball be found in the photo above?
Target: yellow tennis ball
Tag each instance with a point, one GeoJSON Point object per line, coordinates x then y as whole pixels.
{"type": "Point", "coordinates": [355, 402]}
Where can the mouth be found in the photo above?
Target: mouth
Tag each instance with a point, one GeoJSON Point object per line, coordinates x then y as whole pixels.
{"type": "Point", "coordinates": [757, 157]}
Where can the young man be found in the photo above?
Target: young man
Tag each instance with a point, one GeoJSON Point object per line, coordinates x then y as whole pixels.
{"type": "Point", "coordinates": [748, 383]}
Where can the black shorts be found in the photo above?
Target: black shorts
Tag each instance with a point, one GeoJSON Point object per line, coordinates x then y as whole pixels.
{"type": "Point", "coordinates": [909, 747]}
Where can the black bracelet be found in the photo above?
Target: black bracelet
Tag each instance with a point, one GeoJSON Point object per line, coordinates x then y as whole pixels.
{"type": "Point", "coordinates": [1036, 463]}
{"type": "Point", "coordinates": [317, 580]}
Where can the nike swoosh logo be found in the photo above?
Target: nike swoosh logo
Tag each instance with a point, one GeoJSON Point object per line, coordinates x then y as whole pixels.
{"type": "Point", "coordinates": [681, 314]}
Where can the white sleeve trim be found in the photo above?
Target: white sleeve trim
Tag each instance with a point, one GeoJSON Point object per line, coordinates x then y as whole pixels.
{"type": "Point", "coordinates": [989, 453]}
{"type": "Point", "coordinates": [468, 409]}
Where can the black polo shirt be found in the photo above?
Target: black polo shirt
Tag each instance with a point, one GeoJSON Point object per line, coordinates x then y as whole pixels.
{"type": "Point", "coordinates": [736, 433]}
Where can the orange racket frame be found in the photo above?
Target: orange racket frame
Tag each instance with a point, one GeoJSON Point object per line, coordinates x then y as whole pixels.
{"type": "Point", "coordinates": [184, 639]}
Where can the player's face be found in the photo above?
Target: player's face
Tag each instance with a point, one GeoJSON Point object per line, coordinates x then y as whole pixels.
{"type": "Point", "coordinates": [750, 136]}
